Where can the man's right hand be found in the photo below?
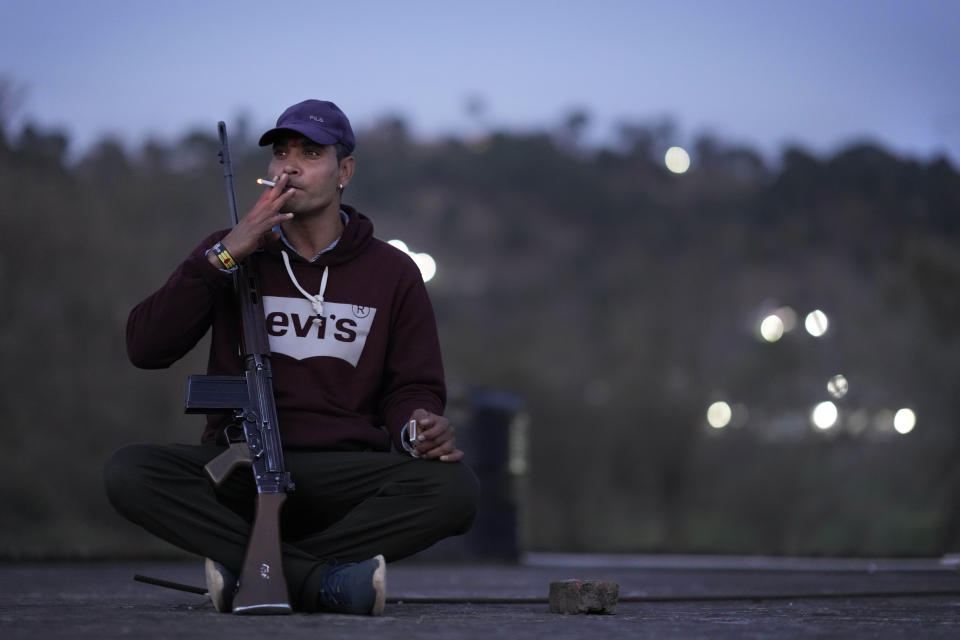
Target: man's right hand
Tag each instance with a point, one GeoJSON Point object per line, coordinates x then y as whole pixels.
{"type": "Point", "coordinates": [255, 229]}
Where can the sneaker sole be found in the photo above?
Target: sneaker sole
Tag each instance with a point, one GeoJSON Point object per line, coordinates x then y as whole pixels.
{"type": "Point", "coordinates": [380, 586]}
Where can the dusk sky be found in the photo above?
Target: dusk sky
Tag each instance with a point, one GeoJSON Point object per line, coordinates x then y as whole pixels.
{"type": "Point", "coordinates": [762, 73]}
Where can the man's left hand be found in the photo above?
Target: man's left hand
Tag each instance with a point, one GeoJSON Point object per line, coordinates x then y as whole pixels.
{"type": "Point", "coordinates": [435, 439]}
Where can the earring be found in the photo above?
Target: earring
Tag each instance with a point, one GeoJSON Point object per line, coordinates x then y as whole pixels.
{"type": "Point", "coordinates": [340, 187]}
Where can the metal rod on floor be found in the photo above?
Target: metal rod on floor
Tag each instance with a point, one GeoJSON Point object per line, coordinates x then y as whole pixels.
{"type": "Point", "coordinates": [631, 598]}
{"type": "Point", "coordinates": [179, 586]}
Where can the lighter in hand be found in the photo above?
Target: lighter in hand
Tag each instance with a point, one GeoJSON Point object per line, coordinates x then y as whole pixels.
{"type": "Point", "coordinates": [410, 444]}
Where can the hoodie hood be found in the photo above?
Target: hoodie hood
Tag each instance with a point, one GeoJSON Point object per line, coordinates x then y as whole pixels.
{"type": "Point", "coordinates": [356, 236]}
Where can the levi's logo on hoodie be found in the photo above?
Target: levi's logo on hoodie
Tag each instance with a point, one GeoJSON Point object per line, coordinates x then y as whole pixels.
{"type": "Point", "coordinates": [341, 332]}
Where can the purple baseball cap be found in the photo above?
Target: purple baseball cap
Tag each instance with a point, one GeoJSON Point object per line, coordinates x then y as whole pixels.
{"type": "Point", "coordinates": [321, 121]}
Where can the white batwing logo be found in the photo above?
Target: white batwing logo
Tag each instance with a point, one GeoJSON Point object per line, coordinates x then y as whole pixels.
{"type": "Point", "coordinates": [295, 331]}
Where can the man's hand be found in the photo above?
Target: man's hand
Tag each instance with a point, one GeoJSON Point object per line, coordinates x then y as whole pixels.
{"type": "Point", "coordinates": [254, 230]}
{"type": "Point", "coordinates": [435, 437]}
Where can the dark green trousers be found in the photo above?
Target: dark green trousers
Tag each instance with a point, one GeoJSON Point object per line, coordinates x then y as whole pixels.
{"type": "Point", "coordinates": [346, 506]}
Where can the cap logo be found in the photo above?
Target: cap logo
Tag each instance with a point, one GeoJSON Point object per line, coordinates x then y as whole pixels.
{"type": "Point", "coordinates": [316, 118]}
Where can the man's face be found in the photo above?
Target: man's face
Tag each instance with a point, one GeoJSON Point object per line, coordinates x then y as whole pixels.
{"type": "Point", "coordinates": [312, 170]}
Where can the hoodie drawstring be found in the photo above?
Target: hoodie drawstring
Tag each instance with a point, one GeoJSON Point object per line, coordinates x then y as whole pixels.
{"type": "Point", "coordinates": [315, 301]}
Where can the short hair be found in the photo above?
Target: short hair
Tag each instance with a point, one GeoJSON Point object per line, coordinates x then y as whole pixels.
{"type": "Point", "coordinates": [342, 151]}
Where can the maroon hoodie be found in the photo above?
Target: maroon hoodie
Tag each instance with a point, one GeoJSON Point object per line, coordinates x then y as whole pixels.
{"type": "Point", "coordinates": [372, 360]}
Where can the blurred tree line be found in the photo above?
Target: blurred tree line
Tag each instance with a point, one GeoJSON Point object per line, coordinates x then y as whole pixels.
{"type": "Point", "coordinates": [618, 299]}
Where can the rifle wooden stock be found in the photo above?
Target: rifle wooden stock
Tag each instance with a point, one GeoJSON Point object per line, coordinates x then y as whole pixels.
{"type": "Point", "coordinates": [263, 589]}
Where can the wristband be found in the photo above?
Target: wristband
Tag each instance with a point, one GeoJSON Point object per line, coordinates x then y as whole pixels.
{"type": "Point", "coordinates": [224, 256]}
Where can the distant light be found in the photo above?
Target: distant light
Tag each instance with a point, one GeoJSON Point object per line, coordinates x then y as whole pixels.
{"type": "Point", "coordinates": [858, 421]}
{"type": "Point", "coordinates": [816, 323]}
{"type": "Point", "coordinates": [677, 160]}
{"type": "Point", "coordinates": [771, 328]}
{"type": "Point", "coordinates": [739, 414]}
{"type": "Point", "coordinates": [904, 421]}
{"type": "Point", "coordinates": [519, 443]}
{"type": "Point", "coordinates": [837, 386]}
{"type": "Point", "coordinates": [788, 317]}
{"type": "Point", "coordinates": [719, 414]}
{"type": "Point", "coordinates": [428, 266]}
{"type": "Point", "coordinates": [824, 415]}
{"type": "Point", "coordinates": [883, 420]}
{"type": "Point", "coordinates": [424, 261]}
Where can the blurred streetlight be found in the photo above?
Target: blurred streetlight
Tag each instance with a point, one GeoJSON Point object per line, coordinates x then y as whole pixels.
{"type": "Point", "coordinates": [904, 421]}
{"type": "Point", "coordinates": [719, 414]}
{"type": "Point", "coordinates": [677, 159]}
{"type": "Point", "coordinates": [838, 386]}
{"type": "Point", "coordinates": [771, 328]}
{"type": "Point", "coordinates": [824, 415]}
{"type": "Point", "coordinates": [424, 261]}
{"type": "Point", "coordinates": [816, 323]}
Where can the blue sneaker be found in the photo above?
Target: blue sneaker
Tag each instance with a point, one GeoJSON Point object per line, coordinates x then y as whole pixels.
{"type": "Point", "coordinates": [221, 585]}
{"type": "Point", "coordinates": [359, 588]}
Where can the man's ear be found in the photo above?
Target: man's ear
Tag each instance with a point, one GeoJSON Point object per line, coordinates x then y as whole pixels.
{"type": "Point", "coordinates": [347, 167]}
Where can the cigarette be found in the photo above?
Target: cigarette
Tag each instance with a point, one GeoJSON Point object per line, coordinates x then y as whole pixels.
{"type": "Point", "coordinates": [268, 183]}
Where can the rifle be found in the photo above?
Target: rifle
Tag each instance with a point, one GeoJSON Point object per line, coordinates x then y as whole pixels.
{"type": "Point", "coordinates": [250, 398]}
